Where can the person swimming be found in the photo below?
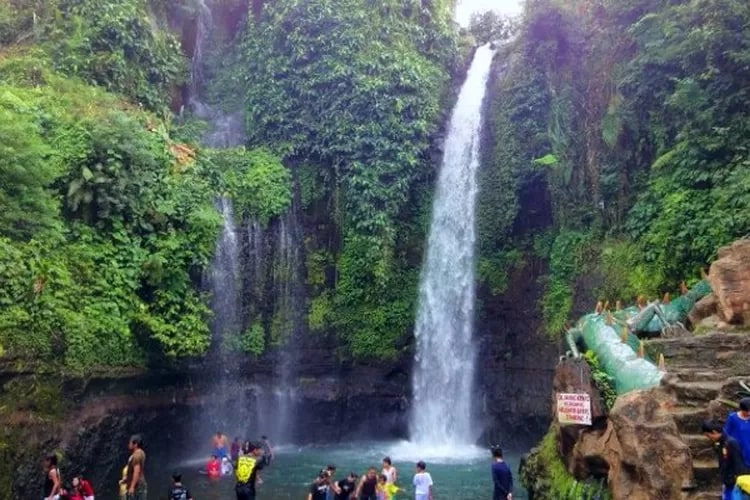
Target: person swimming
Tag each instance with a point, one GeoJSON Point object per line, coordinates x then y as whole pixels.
{"type": "Point", "coordinates": [213, 467]}
{"type": "Point", "coordinates": [221, 449]}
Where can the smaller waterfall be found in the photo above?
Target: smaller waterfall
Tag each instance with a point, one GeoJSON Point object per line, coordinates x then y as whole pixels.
{"type": "Point", "coordinates": [227, 130]}
{"type": "Point", "coordinates": [225, 274]}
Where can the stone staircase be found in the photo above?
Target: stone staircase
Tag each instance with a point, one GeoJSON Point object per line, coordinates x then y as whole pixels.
{"type": "Point", "coordinates": [700, 371]}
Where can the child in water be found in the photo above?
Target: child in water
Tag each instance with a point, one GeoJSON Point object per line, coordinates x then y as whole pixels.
{"type": "Point", "coordinates": [386, 490]}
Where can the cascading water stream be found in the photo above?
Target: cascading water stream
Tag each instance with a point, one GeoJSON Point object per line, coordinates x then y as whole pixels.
{"type": "Point", "coordinates": [445, 359]}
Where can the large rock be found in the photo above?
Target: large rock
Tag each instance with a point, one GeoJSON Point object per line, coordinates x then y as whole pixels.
{"type": "Point", "coordinates": [704, 308]}
{"type": "Point", "coordinates": [650, 460]}
{"type": "Point", "coordinates": [638, 449]}
{"type": "Point", "coordinates": [730, 280]}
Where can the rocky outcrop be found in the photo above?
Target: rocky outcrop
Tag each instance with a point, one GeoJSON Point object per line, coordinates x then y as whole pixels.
{"type": "Point", "coordinates": [652, 461]}
{"type": "Point", "coordinates": [730, 280]}
{"type": "Point", "coordinates": [635, 448]}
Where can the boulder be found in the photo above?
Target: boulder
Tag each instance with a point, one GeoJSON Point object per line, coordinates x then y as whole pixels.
{"type": "Point", "coordinates": [704, 308]}
{"type": "Point", "coordinates": [650, 460]}
{"type": "Point", "coordinates": [730, 280]}
{"type": "Point", "coordinates": [573, 375]}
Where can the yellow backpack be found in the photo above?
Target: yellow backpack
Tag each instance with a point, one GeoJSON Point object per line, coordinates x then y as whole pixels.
{"type": "Point", "coordinates": [245, 468]}
{"type": "Point", "coordinates": [743, 482]}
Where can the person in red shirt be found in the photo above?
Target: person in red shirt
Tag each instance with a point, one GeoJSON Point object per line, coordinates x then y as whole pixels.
{"type": "Point", "coordinates": [83, 488]}
{"type": "Point", "coordinates": [213, 468]}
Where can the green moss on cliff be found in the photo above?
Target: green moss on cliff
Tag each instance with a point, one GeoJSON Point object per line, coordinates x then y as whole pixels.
{"type": "Point", "coordinates": [545, 476]}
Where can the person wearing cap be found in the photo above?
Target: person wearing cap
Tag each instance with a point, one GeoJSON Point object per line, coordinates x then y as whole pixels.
{"type": "Point", "coordinates": [738, 427]}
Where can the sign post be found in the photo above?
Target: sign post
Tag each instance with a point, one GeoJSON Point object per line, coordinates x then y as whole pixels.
{"type": "Point", "coordinates": [573, 409]}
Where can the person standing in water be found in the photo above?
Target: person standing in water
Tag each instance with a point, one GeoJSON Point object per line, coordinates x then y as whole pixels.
{"type": "Point", "coordinates": [422, 483]}
{"type": "Point", "coordinates": [136, 478]}
{"type": "Point", "coordinates": [344, 489]}
{"type": "Point", "coordinates": [178, 490]}
{"type": "Point", "coordinates": [320, 488]}
{"type": "Point", "coordinates": [502, 477]}
{"type": "Point", "coordinates": [389, 471]}
{"type": "Point", "coordinates": [368, 486]}
{"type": "Point", "coordinates": [248, 466]}
{"type": "Point", "coordinates": [220, 445]}
{"type": "Point", "coordinates": [52, 478]}
{"type": "Point", "coordinates": [268, 455]}
{"type": "Point", "coordinates": [234, 451]}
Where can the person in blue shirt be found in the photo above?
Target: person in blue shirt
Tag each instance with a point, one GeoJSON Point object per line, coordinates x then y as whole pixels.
{"type": "Point", "coordinates": [502, 477]}
{"type": "Point", "coordinates": [738, 427]}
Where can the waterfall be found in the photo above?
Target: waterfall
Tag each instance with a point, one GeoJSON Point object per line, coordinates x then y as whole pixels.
{"type": "Point", "coordinates": [226, 130]}
{"type": "Point", "coordinates": [225, 273]}
{"type": "Point", "coordinates": [445, 353]}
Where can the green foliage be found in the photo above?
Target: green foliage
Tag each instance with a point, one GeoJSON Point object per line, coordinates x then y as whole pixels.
{"type": "Point", "coordinates": [251, 341]}
{"type": "Point", "coordinates": [634, 114]}
{"type": "Point", "coordinates": [546, 475]}
{"type": "Point", "coordinates": [109, 276]}
{"type": "Point", "coordinates": [568, 258]}
{"type": "Point", "coordinates": [116, 45]}
{"type": "Point", "coordinates": [352, 90]}
{"type": "Point", "coordinates": [26, 171]}
{"type": "Point", "coordinates": [624, 273]}
{"type": "Point", "coordinates": [489, 26]}
{"type": "Point", "coordinates": [256, 180]}
{"type": "Point", "coordinates": [603, 382]}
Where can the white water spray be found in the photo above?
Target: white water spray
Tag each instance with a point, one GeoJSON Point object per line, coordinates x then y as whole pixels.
{"type": "Point", "coordinates": [445, 360]}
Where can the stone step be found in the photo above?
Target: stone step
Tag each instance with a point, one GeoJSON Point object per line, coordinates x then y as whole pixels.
{"type": "Point", "coordinates": [695, 393]}
{"type": "Point", "coordinates": [697, 374]}
{"type": "Point", "coordinates": [706, 473]}
{"type": "Point", "coordinates": [689, 419]}
{"type": "Point", "coordinates": [710, 494]}
{"type": "Point", "coordinates": [700, 447]}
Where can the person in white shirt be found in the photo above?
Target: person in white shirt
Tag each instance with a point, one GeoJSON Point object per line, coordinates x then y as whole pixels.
{"type": "Point", "coordinates": [389, 471]}
{"type": "Point", "coordinates": [422, 483]}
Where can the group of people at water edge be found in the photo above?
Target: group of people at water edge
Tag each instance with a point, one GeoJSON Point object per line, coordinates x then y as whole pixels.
{"type": "Point", "coordinates": [246, 462]}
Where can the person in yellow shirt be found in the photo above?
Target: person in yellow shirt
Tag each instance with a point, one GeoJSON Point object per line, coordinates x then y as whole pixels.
{"type": "Point", "coordinates": [386, 490]}
{"type": "Point", "coordinates": [124, 484]}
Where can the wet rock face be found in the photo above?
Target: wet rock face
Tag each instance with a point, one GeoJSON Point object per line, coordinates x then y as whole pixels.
{"type": "Point", "coordinates": [516, 363]}
{"type": "Point", "coordinates": [730, 280]}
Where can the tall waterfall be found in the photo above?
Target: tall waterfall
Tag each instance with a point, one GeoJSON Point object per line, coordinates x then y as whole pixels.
{"type": "Point", "coordinates": [445, 359]}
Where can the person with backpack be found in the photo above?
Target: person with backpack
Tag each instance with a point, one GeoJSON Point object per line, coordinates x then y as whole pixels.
{"type": "Point", "coordinates": [178, 490]}
{"type": "Point", "coordinates": [248, 466]}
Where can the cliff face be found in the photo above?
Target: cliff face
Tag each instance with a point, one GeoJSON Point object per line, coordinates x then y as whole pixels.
{"type": "Point", "coordinates": [516, 362]}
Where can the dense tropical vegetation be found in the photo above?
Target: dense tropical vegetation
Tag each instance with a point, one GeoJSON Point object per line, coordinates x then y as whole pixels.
{"type": "Point", "coordinates": [626, 122]}
{"type": "Point", "coordinates": [615, 153]}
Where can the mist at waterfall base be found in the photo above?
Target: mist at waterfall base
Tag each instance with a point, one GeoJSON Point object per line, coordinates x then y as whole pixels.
{"type": "Point", "coordinates": [291, 474]}
{"type": "Point", "coordinates": [442, 414]}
